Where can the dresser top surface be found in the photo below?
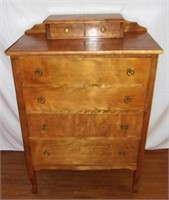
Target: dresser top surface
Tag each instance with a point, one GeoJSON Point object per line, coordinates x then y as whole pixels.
{"type": "Point", "coordinates": [130, 44]}
{"type": "Point", "coordinates": [84, 17]}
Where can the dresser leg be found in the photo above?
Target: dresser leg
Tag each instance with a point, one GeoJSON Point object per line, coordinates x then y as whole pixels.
{"type": "Point", "coordinates": [135, 181]}
{"type": "Point", "coordinates": [32, 176]}
{"type": "Point", "coordinates": [34, 189]}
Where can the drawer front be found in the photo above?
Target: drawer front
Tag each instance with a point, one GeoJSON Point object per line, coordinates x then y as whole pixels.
{"type": "Point", "coordinates": [83, 71]}
{"type": "Point", "coordinates": [104, 30]}
{"type": "Point", "coordinates": [117, 125]}
{"type": "Point", "coordinates": [83, 100]}
{"type": "Point", "coordinates": [63, 31]}
{"type": "Point", "coordinates": [85, 30]}
{"type": "Point", "coordinates": [116, 153]}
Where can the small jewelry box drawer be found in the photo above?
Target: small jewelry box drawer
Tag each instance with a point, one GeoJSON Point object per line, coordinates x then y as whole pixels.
{"type": "Point", "coordinates": [104, 30]}
{"type": "Point", "coordinates": [65, 31]}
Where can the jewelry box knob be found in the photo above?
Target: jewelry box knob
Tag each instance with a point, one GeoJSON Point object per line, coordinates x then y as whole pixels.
{"type": "Point", "coordinates": [103, 29]}
{"type": "Point", "coordinates": [66, 30]}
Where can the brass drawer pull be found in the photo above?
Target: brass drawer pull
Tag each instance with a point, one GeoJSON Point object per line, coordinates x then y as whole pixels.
{"type": "Point", "coordinates": [122, 153]}
{"type": "Point", "coordinates": [124, 126]}
{"type": "Point", "coordinates": [44, 128]}
{"type": "Point", "coordinates": [127, 99]}
{"type": "Point", "coordinates": [41, 100]}
{"type": "Point", "coordinates": [38, 72]}
{"type": "Point", "coordinates": [103, 29]}
{"type": "Point", "coordinates": [130, 72]}
{"type": "Point", "coordinates": [46, 153]}
{"type": "Point", "coordinates": [66, 30]}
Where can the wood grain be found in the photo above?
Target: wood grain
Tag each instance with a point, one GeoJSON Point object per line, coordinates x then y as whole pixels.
{"type": "Point", "coordinates": [84, 18]}
{"type": "Point", "coordinates": [83, 100]}
{"type": "Point", "coordinates": [110, 30]}
{"type": "Point", "coordinates": [73, 151]}
{"type": "Point", "coordinates": [79, 71]}
{"type": "Point", "coordinates": [84, 26]}
{"type": "Point", "coordinates": [24, 127]}
{"type": "Point", "coordinates": [147, 108]}
{"type": "Point", "coordinates": [117, 125]}
{"type": "Point", "coordinates": [58, 31]}
{"type": "Point", "coordinates": [37, 44]}
{"type": "Point", "coordinates": [36, 29]}
{"type": "Point", "coordinates": [133, 27]}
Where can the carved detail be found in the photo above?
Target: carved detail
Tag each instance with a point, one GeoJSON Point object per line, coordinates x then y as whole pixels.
{"type": "Point", "coordinates": [37, 28]}
{"type": "Point", "coordinates": [128, 27]}
{"type": "Point", "coordinates": [133, 27]}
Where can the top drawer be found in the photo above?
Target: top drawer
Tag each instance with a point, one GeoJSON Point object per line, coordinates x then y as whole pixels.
{"type": "Point", "coordinates": [65, 31]}
{"type": "Point", "coordinates": [104, 30]}
{"type": "Point", "coordinates": [89, 71]}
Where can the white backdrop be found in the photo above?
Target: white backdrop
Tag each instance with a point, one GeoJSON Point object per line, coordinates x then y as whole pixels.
{"type": "Point", "coordinates": [17, 16]}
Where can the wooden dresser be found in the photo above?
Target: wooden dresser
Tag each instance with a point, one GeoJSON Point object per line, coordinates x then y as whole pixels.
{"type": "Point", "coordinates": [84, 86]}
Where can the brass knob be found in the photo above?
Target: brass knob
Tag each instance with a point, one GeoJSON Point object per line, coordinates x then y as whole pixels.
{"type": "Point", "coordinates": [66, 30]}
{"type": "Point", "coordinates": [41, 100]}
{"type": "Point", "coordinates": [130, 72]}
{"type": "Point", "coordinates": [127, 99]}
{"type": "Point", "coordinates": [43, 128]}
{"type": "Point", "coordinates": [122, 153]}
{"type": "Point", "coordinates": [38, 72]}
{"type": "Point", "coordinates": [103, 29]}
{"type": "Point", "coordinates": [124, 126]}
{"type": "Point", "coordinates": [46, 153]}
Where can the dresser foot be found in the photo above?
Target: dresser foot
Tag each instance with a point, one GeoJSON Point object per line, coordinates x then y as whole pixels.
{"type": "Point", "coordinates": [34, 189]}
{"type": "Point", "coordinates": [134, 189]}
{"type": "Point", "coordinates": [32, 177]}
{"type": "Point", "coordinates": [135, 182]}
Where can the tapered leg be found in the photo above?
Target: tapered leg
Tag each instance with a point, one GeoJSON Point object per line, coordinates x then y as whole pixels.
{"type": "Point", "coordinates": [34, 189]}
{"type": "Point", "coordinates": [136, 178]}
{"type": "Point", "coordinates": [32, 177]}
{"type": "Point", "coordinates": [31, 173]}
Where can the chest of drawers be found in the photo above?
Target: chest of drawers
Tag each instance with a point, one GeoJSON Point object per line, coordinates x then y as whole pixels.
{"type": "Point", "coordinates": [84, 86]}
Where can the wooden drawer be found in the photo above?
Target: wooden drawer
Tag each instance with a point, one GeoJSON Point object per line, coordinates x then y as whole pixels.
{"type": "Point", "coordinates": [65, 31]}
{"type": "Point", "coordinates": [81, 30]}
{"type": "Point", "coordinates": [69, 151]}
{"type": "Point", "coordinates": [104, 30]}
{"type": "Point", "coordinates": [76, 71]}
{"type": "Point", "coordinates": [117, 125]}
{"type": "Point", "coordinates": [83, 100]}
